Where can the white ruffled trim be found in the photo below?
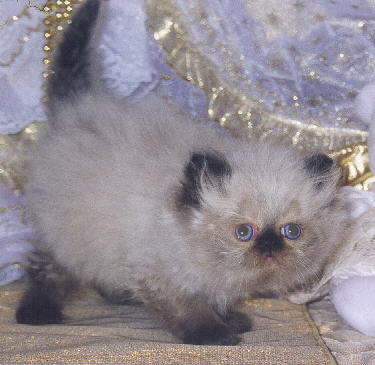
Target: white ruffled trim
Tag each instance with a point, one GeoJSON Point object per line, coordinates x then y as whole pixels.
{"type": "Point", "coordinates": [123, 46]}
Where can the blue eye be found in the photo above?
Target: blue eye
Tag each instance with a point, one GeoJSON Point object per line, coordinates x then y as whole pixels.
{"type": "Point", "coordinates": [291, 231]}
{"type": "Point", "coordinates": [244, 232]}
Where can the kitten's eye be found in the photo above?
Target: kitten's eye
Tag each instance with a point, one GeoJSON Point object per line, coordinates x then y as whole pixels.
{"type": "Point", "coordinates": [291, 231]}
{"type": "Point", "coordinates": [244, 232]}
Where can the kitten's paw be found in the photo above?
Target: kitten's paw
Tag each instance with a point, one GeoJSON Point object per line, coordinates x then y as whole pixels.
{"type": "Point", "coordinates": [238, 322]}
{"type": "Point", "coordinates": [37, 315]}
{"type": "Point", "coordinates": [211, 334]}
{"type": "Point", "coordinates": [37, 307]}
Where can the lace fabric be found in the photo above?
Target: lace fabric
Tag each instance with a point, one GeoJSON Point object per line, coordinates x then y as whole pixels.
{"type": "Point", "coordinates": [21, 66]}
{"type": "Point", "coordinates": [305, 60]}
{"type": "Point", "coordinates": [128, 69]}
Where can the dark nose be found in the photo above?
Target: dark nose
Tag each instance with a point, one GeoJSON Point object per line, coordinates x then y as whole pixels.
{"type": "Point", "coordinates": [268, 242]}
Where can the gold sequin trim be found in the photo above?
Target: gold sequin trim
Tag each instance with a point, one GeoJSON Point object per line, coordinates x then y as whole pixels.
{"type": "Point", "coordinates": [58, 17]}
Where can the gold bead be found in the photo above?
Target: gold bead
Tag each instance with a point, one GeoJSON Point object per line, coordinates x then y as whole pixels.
{"type": "Point", "coordinates": [46, 61]}
{"type": "Point", "coordinates": [47, 35]}
{"type": "Point", "coordinates": [49, 19]}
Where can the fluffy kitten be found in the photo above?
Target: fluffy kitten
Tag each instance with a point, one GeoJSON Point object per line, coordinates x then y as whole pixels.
{"type": "Point", "coordinates": [144, 204]}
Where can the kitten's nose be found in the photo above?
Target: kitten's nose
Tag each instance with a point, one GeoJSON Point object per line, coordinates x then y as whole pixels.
{"type": "Point", "coordinates": [268, 242]}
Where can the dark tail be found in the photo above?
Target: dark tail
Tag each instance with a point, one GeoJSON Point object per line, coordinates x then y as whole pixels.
{"type": "Point", "coordinates": [71, 67]}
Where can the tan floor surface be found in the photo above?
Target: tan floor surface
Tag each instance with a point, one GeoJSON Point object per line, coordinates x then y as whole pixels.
{"type": "Point", "coordinates": [96, 332]}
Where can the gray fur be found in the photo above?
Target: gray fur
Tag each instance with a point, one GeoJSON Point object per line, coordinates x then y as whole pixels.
{"type": "Point", "coordinates": [104, 194]}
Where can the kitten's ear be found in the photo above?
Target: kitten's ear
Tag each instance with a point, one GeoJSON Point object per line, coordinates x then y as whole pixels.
{"type": "Point", "coordinates": [203, 168]}
{"type": "Point", "coordinates": [319, 165]}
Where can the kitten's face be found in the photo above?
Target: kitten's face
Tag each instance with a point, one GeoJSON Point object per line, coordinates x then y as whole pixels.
{"type": "Point", "coordinates": [270, 221]}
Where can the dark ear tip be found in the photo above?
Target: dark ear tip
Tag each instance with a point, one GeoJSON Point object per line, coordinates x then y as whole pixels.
{"type": "Point", "coordinates": [318, 163]}
{"type": "Point", "coordinates": [212, 164]}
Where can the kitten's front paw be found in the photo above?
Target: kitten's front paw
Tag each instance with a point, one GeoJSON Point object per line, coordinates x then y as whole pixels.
{"type": "Point", "coordinates": [37, 307]}
{"type": "Point", "coordinates": [38, 315]}
{"type": "Point", "coordinates": [210, 334]}
{"type": "Point", "coordinates": [238, 322]}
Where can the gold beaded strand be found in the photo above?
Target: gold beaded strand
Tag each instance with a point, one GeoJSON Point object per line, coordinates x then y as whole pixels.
{"type": "Point", "coordinates": [58, 16]}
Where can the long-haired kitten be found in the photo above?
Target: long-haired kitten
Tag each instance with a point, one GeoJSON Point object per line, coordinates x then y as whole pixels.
{"type": "Point", "coordinates": [145, 204]}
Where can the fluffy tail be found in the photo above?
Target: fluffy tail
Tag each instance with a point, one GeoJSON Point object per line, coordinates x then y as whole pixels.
{"type": "Point", "coordinates": [71, 67]}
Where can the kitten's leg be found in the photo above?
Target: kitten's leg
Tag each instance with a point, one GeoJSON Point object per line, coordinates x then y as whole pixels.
{"type": "Point", "coordinates": [47, 287]}
{"type": "Point", "coordinates": [195, 321]}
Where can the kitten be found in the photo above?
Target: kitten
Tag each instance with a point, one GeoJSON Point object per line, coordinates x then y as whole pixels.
{"type": "Point", "coordinates": [147, 205]}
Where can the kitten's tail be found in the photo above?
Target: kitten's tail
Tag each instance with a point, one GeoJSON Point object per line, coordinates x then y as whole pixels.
{"type": "Point", "coordinates": [71, 68]}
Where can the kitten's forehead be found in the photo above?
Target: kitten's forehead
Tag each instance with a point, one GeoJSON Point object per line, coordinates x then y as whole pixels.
{"type": "Point", "coordinates": [269, 208]}
{"type": "Point", "coordinates": [265, 213]}
{"type": "Point", "coordinates": [279, 188]}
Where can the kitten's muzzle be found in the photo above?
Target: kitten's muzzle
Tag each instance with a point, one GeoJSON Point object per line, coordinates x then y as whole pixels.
{"type": "Point", "coordinates": [268, 242]}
